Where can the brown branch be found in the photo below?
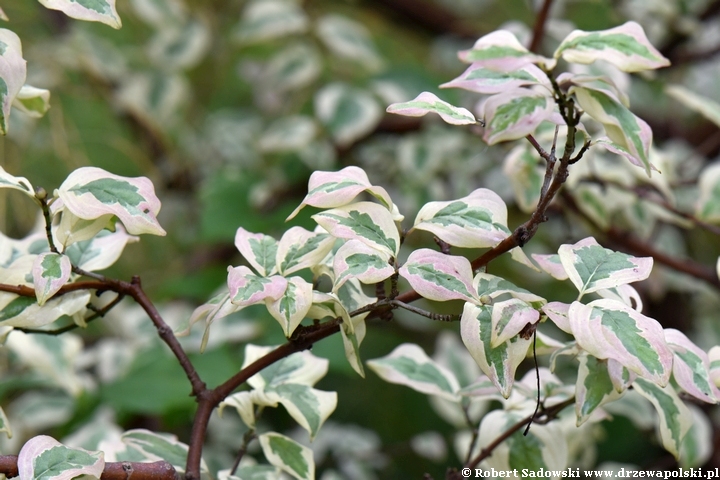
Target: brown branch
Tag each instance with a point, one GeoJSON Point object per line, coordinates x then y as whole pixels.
{"type": "Point", "coordinates": [112, 471]}
{"type": "Point", "coordinates": [539, 28]}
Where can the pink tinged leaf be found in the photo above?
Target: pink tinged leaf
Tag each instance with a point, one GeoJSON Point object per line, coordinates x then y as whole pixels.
{"type": "Point", "coordinates": [499, 363]}
{"type": "Point", "coordinates": [558, 313]}
{"type": "Point", "coordinates": [246, 288]}
{"type": "Point", "coordinates": [336, 189]}
{"type": "Point", "coordinates": [439, 277]}
{"type": "Point", "coordinates": [625, 46]}
{"type": "Point", "coordinates": [691, 367]}
{"type": "Point", "coordinates": [365, 221]}
{"type": "Point", "coordinates": [610, 329]}
{"type": "Point", "coordinates": [551, 264]}
{"type": "Point", "coordinates": [476, 221]}
{"type": "Point", "coordinates": [599, 83]}
{"type": "Point", "coordinates": [623, 293]}
{"type": "Point", "coordinates": [621, 125]}
{"type": "Point", "coordinates": [13, 71]}
{"type": "Point", "coordinates": [714, 357]}
{"type": "Point", "coordinates": [427, 102]}
{"type": "Point", "coordinates": [45, 457]}
{"type": "Point", "coordinates": [591, 267]}
{"type": "Point", "coordinates": [91, 192]}
{"type": "Point", "coordinates": [259, 250]}
{"type": "Point", "coordinates": [290, 309]}
{"type": "Point", "coordinates": [356, 260]}
{"type": "Point", "coordinates": [620, 376]}
{"type": "Point", "coordinates": [509, 318]}
{"type": "Point", "coordinates": [501, 50]}
{"type": "Point", "coordinates": [16, 183]}
{"type": "Point", "coordinates": [488, 81]}
{"type": "Point", "coordinates": [102, 11]}
{"type": "Point", "coordinates": [612, 147]}
{"type": "Point", "coordinates": [50, 272]}
{"type": "Point", "coordinates": [515, 114]}
{"type": "Point", "coordinates": [300, 248]}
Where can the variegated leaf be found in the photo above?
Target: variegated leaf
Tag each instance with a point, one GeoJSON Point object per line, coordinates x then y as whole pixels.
{"type": "Point", "coordinates": [349, 40]}
{"type": "Point", "coordinates": [246, 288]}
{"type": "Point", "coordinates": [428, 102]}
{"type": "Point", "coordinates": [91, 192]}
{"type": "Point", "coordinates": [551, 264]}
{"type": "Point", "coordinates": [675, 417]}
{"type": "Point", "coordinates": [697, 445]}
{"type": "Point", "coordinates": [602, 84]}
{"type": "Point", "coordinates": [299, 248]}
{"type": "Point", "coordinates": [450, 353]}
{"type": "Point", "coordinates": [624, 128]}
{"type": "Point", "coordinates": [356, 260]}
{"type": "Point", "coordinates": [558, 313]}
{"type": "Point", "coordinates": [45, 457]}
{"type": "Point", "coordinates": [288, 134]}
{"type": "Point", "coordinates": [288, 455]}
{"type": "Point", "coordinates": [501, 50]}
{"type": "Point", "coordinates": [347, 112]}
{"type": "Point", "coordinates": [17, 311]}
{"type": "Point", "coordinates": [267, 19]}
{"type": "Point", "coordinates": [102, 251]}
{"type": "Point", "coordinates": [290, 309]}
{"type": "Point", "coordinates": [620, 376]}
{"type": "Point", "coordinates": [242, 402]}
{"type": "Point", "coordinates": [409, 365]}
{"type": "Point", "coordinates": [73, 229]}
{"type": "Point", "coordinates": [509, 318]}
{"type": "Point", "coordinates": [526, 176]}
{"type": "Point", "coordinates": [488, 81]}
{"type": "Point", "coordinates": [439, 277]}
{"type": "Point", "coordinates": [515, 113]}
{"type": "Point", "coordinates": [708, 203]}
{"type": "Point", "coordinates": [352, 297]}
{"type": "Point", "coordinates": [13, 71]}
{"type": "Point", "coordinates": [32, 101]}
{"type": "Point", "coordinates": [301, 368]}
{"type": "Point", "coordinates": [493, 287]}
{"type": "Point", "coordinates": [623, 293]}
{"type": "Point", "coordinates": [50, 272]}
{"type": "Point", "coordinates": [308, 406]}
{"type": "Point", "coordinates": [180, 46]}
{"type": "Point", "coordinates": [476, 221]}
{"type": "Point", "coordinates": [707, 107]}
{"type": "Point", "coordinates": [337, 189]}
{"type": "Point", "coordinates": [691, 367]}
{"type": "Point", "coordinates": [499, 363]}
{"type": "Point", "coordinates": [368, 222]}
{"type": "Point", "coordinates": [625, 46]}
{"type": "Point", "coordinates": [610, 329]}
{"type": "Point", "coordinates": [11, 181]}
{"type": "Point", "coordinates": [259, 250]}
{"type": "Point", "coordinates": [593, 387]}
{"type": "Point", "coordinates": [102, 11]}
{"type": "Point", "coordinates": [294, 67]}
{"type": "Point", "coordinates": [591, 267]}
{"type": "Point", "coordinates": [155, 446]}
{"type": "Point", "coordinates": [620, 150]}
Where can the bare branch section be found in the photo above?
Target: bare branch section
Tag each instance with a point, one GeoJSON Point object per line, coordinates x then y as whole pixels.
{"type": "Point", "coordinates": [112, 471]}
{"type": "Point", "coordinates": [539, 27]}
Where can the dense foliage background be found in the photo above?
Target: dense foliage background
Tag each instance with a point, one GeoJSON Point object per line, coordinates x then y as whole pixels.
{"type": "Point", "coordinates": [229, 112]}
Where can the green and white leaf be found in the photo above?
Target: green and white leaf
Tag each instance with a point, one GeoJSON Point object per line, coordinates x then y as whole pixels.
{"type": "Point", "coordinates": [50, 272]}
{"type": "Point", "coordinates": [558, 313]}
{"type": "Point", "coordinates": [290, 309]}
{"type": "Point", "coordinates": [551, 264]}
{"type": "Point", "coordinates": [439, 277]}
{"type": "Point", "coordinates": [264, 20]}
{"type": "Point", "coordinates": [72, 228]}
{"type": "Point", "coordinates": [593, 388]}
{"type": "Point", "coordinates": [91, 192]}
{"type": "Point", "coordinates": [493, 287]}
{"type": "Point", "coordinates": [180, 47]}
{"type": "Point", "coordinates": [509, 318]}
{"type": "Point", "coordinates": [156, 97]}
{"type": "Point", "coordinates": [409, 365]}
{"type": "Point", "coordinates": [476, 221]}
{"type": "Point", "coordinates": [301, 368]}
{"type": "Point", "coordinates": [598, 83]}
{"type": "Point", "coordinates": [625, 46]}
{"type": "Point", "coordinates": [160, 13]}
{"type": "Point", "coordinates": [526, 177]}
{"type": "Point", "coordinates": [347, 112]}
{"type": "Point", "coordinates": [288, 134]}
{"type": "Point", "coordinates": [624, 128]}
{"type": "Point", "coordinates": [691, 367]}
{"type": "Point", "coordinates": [251, 472]}
{"type": "Point", "coordinates": [354, 259]}
{"type": "Point", "coordinates": [707, 107]}
{"type": "Point", "coordinates": [243, 403]}
{"type": "Point", "coordinates": [675, 417]}
{"type": "Point", "coordinates": [697, 445]}
{"type": "Point", "coordinates": [499, 363]}
{"type": "Point", "coordinates": [288, 455]}
{"type": "Point", "coordinates": [502, 51]}
{"type": "Point", "coordinates": [294, 67]}
{"type": "Point", "coordinates": [246, 288]}
{"type": "Point", "coordinates": [13, 71]}
{"type": "Point", "coordinates": [34, 102]}
{"type": "Point", "coordinates": [16, 183]}
{"type": "Point", "coordinates": [610, 329]}
{"type": "Point", "coordinates": [428, 102]}
{"type": "Point", "coordinates": [337, 189]}
{"type": "Point", "coordinates": [24, 312]}
{"type": "Point", "coordinates": [480, 79]}
{"type": "Point", "coordinates": [368, 222]}
{"type": "Point", "coordinates": [708, 204]}
{"type": "Point", "coordinates": [352, 297]}
{"type": "Point", "coordinates": [452, 354]}
{"type": "Point", "coordinates": [591, 267]}
{"type": "Point", "coordinates": [259, 250]}
{"type": "Point", "coordinates": [299, 248]}
{"type": "Point", "coordinates": [45, 457]}
{"type": "Point", "coordinates": [159, 446]}
{"type": "Point", "coordinates": [515, 113]}
{"type": "Point", "coordinates": [620, 376]}
{"type": "Point", "coordinates": [102, 11]}
{"type": "Point", "coordinates": [349, 40]}
{"type": "Point", "coordinates": [102, 251]}
{"type": "Point", "coordinates": [308, 406]}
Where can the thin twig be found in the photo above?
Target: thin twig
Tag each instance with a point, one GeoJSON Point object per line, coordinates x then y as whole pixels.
{"type": "Point", "coordinates": [425, 313]}
{"type": "Point", "coordinates": [539, 28]}
{"type": "Point", "coordinates": [537, 375]}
